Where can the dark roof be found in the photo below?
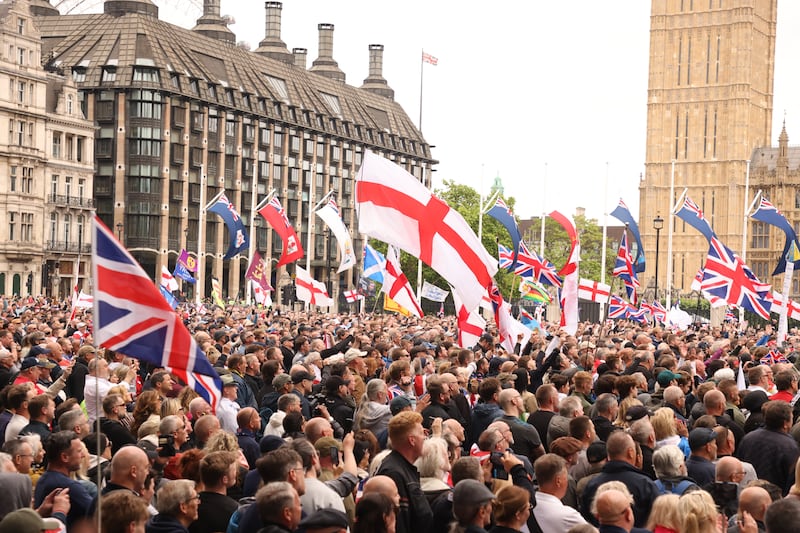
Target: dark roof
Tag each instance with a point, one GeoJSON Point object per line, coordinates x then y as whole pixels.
{"type": "Point", "coordinates": [91, 42]}
{"type": "Point", "coordinates": [768, 157]}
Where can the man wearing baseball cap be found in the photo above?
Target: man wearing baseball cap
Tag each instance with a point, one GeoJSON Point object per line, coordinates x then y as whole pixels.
{"type": "Point", "coordinates": [339, 402]}
{"type": "Point", "coordinates": [472, 505]}
{"type": "Point", "coordinates": [700, 464]}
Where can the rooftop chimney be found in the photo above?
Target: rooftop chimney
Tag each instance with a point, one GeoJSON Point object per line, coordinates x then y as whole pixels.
{"type": "Point", "coordinates": [272, 45]}
{"type": "Point", "coordinates": [375, 82]}
{"type": "Point", "coordinates": [325, 64]}
{"type": "Point", "coordinates": [43, 8]}
{"type": "Point", "coordinates": [118, 8]}
{"type": "Point", "coordinates": [300, 55]}
{"type": "Point", "coordinates": [211, 24]}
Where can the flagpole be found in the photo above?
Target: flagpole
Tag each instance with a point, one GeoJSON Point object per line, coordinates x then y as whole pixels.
{"type": "Point", "coordinates": [480, 204]}
{"type": "Point", "coordinates": [544, 213]}
{"type": "Point", "coordinates": [744, 231]}
{"type": "Point", "coordinates": [201, 226]}
{"type": "Point", "coordinates": [253, 214]}
{"type": "Point", "coordinates": [421, 72]}
{"type": "Point", "coordinates": [605, 239]}
{"type": "Point", "coordinates": [668, 284]}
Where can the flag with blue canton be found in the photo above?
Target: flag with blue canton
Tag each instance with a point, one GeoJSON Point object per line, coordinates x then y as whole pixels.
{"type": "Point", "coordinates": [639, 315]}
{"type": "Point", "coordinates": [239, 241]}
{"type": "Point", "coordinates": [618, 308]}
{"type": "Point", "coordinates": [539, 269]}
{"type": "Point", "coordinates": [374, 264]}
{"type": "Point", "coordinates": [502, 213]}
{"type": "Point", "coordinates": [624, 268]}
{"type": "Point", "coordinates": [769, 214]}
{"type": "Point", "coordinates": [728, 278]}
{"type": "Point", "coordinates": [182, 273]}
{"type": "Point", "coordinates": [691, 213]}
{"type": "Point", "coordinates": [505, 257]}
{"type": "Point", "coordinates": [623, 214]}
{"type": "Point", "coordinates": [132, 317]}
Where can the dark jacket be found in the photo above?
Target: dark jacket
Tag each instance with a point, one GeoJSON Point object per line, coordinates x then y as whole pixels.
{"type": "Point", "coordinates": [642, 488]}
{"type": "Point", "coordinates": [77, 379]}
{"type": "Point", "coordinates": [116, 433]}
{"type": "Point", "coordinates": [162, 523]}
{"type": "Point", "coordinates": [415, 515]}
{"type": "Point", "coordinates": [214, 513]}
{"type": "Point", "coordinates": [249, 446]}
{"type": "Point", "coordinates": [483, 415]}
{"type": "Point", "coordinates": [434, 410]}
{"type": "Point", "coordinates": [773, 455]}
{"type": "Point", "coordinates": [341, 411]}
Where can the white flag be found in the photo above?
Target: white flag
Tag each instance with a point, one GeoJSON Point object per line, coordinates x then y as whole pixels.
{"type": "Point", "coordinates": [167, 281]}
{"type": "Point", "coordinates": [84, 301]}
{"type": "Point", "coordinates": [261, 296]}
{"type": "Point", "coordinates": [330, 214]}
{"type": "Point", "coordinates": [433, 293]}
{"type": "Point", "coordinates": [311, 291]}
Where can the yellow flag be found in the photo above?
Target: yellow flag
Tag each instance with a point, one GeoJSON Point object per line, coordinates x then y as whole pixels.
{"type": "Point", "coordinates": [391, 305]}
{"type": "Point", "coordinates": [793, 254]}
{"type": "Point", "coordinates": [216, 293]}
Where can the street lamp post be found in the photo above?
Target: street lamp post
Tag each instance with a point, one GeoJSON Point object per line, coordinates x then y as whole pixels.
{"type": "Point", "coordinates": [119, 231]}
{"type": "Point", "coordinates": [658, 225]}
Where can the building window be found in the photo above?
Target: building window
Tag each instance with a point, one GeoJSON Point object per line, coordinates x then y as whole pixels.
{"type": "Point", "coordinates": [20, 56]}
{"type": "Point", "coordinates": [27, 227]}
{"type": "Point", "coordinates": [79, 75]}
{"type": "Point", "coordinates": [146, 75]}
{"type": "Point", "coordinates": [145, 104]}
{"type": "Point", "coordinates": [68, 186]}
{"type": "Point", "coordinates": [109, 74]}
{"type": "Point", "coordinates": [12, 226]}
{"type": "Point", "coordinates": [12, 181]}
{"type": "Point", "coordinates": [53, 227]}
{"type": "Point", "coordinates": [27, 180]}
{"type": "Point", "coordinates": [760, 238]}
{"type": "Point", "coordinates": [80, 229]}
{"type": "Point", "coordinates": [67, 227]}
{"type": "Point", "coordinates": [761, 270]}
{"type": "Point", "coordinates": [21, 92]}
{"type": "Point", "coordinates": [54, 184]}
{"type": "Point", "coordinates": [21, 26]}
{"type": "Point", "coordinates": [70, 104]}
{"type": "Point", "coordinates": [57, 144]}
{"type": "Point", "coordinates": [81, 187]}
{"type": "Point", "coordinates": [212, 91]}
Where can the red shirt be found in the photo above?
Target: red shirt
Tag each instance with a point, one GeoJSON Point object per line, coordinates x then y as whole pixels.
{"type": "Point", "coordinates": [784, 395]}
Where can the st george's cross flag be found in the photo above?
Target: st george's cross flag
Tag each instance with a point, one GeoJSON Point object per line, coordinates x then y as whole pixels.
{"type": "Point", "coordinates": [133, 318]}
{"type": "Point", "coordinates": [167, 281]}
{"type": "Point", "coordinates": [568, 294]}
{"type": "Point", "coordinates": [311, 291]}
{"type": "Point", "coordinates": [396, 285]}
{"type": "Point", "coordinates": [508, 327]}
{"type": "Point", "coordinates": [353, 296]}
{"type": "Point", "coordinates": [593, 290]}
{"type": "Point", "coordinates": [275, 216]}
{"type": "Point", "coordinates": [471, 325]}
{"type": "Point", "coordinates": [777, 302]}
{"type": "Point", "coordinates": [394, 207]}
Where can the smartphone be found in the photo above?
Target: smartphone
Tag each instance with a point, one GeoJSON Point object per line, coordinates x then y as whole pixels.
{"type": "Point", "coordinates": [335, 455]}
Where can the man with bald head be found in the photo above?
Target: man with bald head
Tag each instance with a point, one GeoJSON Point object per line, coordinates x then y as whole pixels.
{"type": "Point", "coordinates": [383, 485]}
{"type": "Point", "coordinates": [318, 427]}
{"type": "Point", "coordinates": [755, 501]}
{"type": "Point", "coordinates": [199, 407]}
{"type": "Point", "coordinates": [716, 404]}
{"type": "Point", "coordinates": [129, 468]}
{"type": "Point", "coordinates": [204, 428]}
{"type": "Point", "coordinates": [614, 511]}
{"type": "Point", "coordinates": [725, 487]}
{"type": "Point", "coordinates": [622, 456]}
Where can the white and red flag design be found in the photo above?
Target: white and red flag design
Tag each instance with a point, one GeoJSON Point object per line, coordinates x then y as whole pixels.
{"type": "Point", "coordinates": [311, 291]}
{"type": "Point", "coordinates": [396, 284]}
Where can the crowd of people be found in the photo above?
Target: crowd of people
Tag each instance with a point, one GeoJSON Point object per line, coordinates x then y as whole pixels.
{"type": "Point", "coordinates": [381, 423]}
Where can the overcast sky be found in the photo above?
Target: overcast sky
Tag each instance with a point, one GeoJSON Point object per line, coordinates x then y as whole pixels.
{"type": "Point", "coordinates": [550, 96]}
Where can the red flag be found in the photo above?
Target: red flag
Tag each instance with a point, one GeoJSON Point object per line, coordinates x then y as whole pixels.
{"type": "Point", "coordinates": [275, 215]}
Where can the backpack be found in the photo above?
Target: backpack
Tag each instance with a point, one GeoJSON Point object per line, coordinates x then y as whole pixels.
{"type": "Point", "coordinates": [668, 487]}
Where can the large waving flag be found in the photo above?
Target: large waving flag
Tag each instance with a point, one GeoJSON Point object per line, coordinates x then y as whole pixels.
{"type": "Point", "coordinates": [568, 295]}
{"type": "Point", "coordinates": [530, 265]}
{"type": "Point", "coordinates": [131, 317]}
{"type": "Point", "coordinates": [727, 277]}
{"type": "Point", "coordinates": [255, 272]}
{"type": "Point", "coordinates": [530, 290]}
{"type": "Point", "coordinates": [311, 291]}
{"type": "Point", "coordinates": [216, 293]}
{"type": "Point", "coordinates": [170, 299]}
{"type": "Point", "coordinates": [624, 268]}
{"type": "Point", "coordinates": [619, 308]}
{"type": "Point", "coordinates": [183, 273]}
{"type": "Point", "coordinates": [330, 214]}
{"type": "Point", "coordinates": [691, 213]}
{"type": "Point", "coordinates": [396, 285]}
{"type": "Point", "coordinates": [502, 213]}
{"type": "Point", "coordinates": [769, 214]}
{"type": "Point", "coordinates": [238, 234]}
{"type": "Point", "coordinates": [374, 264]}
{"type": "Point", "coordinates": [260, 295]}
{"type": "Point", "coordinates": [471, 325]}
{"type": "Point", "coordinates": [623, 214]}
{"type": "Point", "coordinates": [275, 216]}
{"type": "Point", "coordinates": [593, 290]}
{"type": "Point", "coordinates": [394, 207]}
{"type": "Point", "coordinates": [777, 302]}
{"type": "Point", "coordinates": [188, 261]}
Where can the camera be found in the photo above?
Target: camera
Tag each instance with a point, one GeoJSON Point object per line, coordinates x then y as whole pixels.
{"type": "Point", "coordinates": [166, 446]}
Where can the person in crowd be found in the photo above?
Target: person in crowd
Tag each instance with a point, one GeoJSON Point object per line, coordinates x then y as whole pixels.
{"type": "Point", "coordinates": [65, 452]}
{"type": "Point", "coordinates": [472, 506]}
{"type": "Point", "coordinates": [375, 513]}
{"type": "Point", "coordinates": [124, 512]}
{"type": "Point", "coordinates": [550, 513]}
{"type": "Point", "coordinates": [511, 509]}
{"type": "Point", "coordinates": [178, 505]}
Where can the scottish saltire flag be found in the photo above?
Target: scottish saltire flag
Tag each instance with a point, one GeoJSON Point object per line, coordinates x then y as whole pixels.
{"type": "Point", "coordinates": [188, 261]}
{"type": "Point", "coordinates": [171, 300]}
{"type": "Point", "coordinates": [624, 268]}
{"type": "Point", "coordinates": [239, 241]}
{"type": "Point", "coordinates": [132, 317]}
{"type": "Point", "coordinates": [374, 264]}
{"type": "Point", "coordinates": [727, 277]}
{"type": "Point", "coordinates": [502, 213]}
{"type": "Point", "coordinates": [691, 213]}
{"type": "Point", "coordinates": [530, 265]}
{"type": "Point", "coordinates": [505, 257]}
{"type": "Point", "coordinates": [769, 214]}
{"type": "Point", "coordinates": [623, 214]}
{"type": "Point", "coordinates": [183, 273]}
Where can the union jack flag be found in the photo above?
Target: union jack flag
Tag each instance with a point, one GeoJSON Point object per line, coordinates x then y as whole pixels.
{"type": "Point", "coordinates": [658, 311]}
{"type": "Point", "coordinates": [728, 278]}
{"type": "Point", "coordinates": [332, 205]}
{"type": "Point", "coordinates": [505, 257]}
{"type": "Point", "coordinates": [730, 316]}
{"type": "Point", "coordinates": [639, 315]}
{"type": "Point", "coordinates": [133, 318]}
{"type": "Point", "coordinates": [530, 265]}
{"type": "Point", "coordinates": [691, 213]}
{"type": "Point", "coordinates": [619, 308]}
{"type": "Point", "coordinates": [276, 204]}
{"type": "Point", "coordinates": [773, 357]}
{"type": "Point", "coordinates": [624, 270]}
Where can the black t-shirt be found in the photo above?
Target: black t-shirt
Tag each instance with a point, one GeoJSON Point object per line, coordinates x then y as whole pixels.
{"type": "Point", "coordinates": [214, 513]}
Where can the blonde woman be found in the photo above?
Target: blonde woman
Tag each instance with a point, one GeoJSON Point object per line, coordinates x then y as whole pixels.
{"type": "Point", "coordinates": [699, 513]}
{"type": "Point", "coordinates": [433, 466]}
{"type": "Point", "coordinates": [665, 426]}
{"type": "Point", "coordinates": [665, 516]}
{"type": "Point", "coordinates": [624, 405]}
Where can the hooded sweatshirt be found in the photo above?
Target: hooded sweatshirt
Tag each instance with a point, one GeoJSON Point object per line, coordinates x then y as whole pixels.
{"type": "Point", "coordinates": [372, 416]}
{"type": "Point", "coordinates": [164, 524]}
{"type": "Point", "coordinates": [483, 415]}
